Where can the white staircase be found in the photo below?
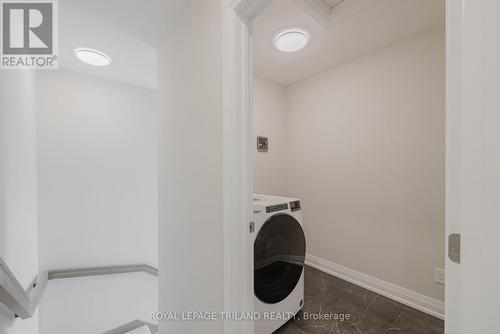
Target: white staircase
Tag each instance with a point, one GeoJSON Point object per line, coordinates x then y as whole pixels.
{"type": "Point", "coordinates": [84, 300]}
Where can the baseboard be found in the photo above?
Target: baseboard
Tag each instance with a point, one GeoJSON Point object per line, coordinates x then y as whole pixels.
{"type": "Point", "coordinates": [405, 296]}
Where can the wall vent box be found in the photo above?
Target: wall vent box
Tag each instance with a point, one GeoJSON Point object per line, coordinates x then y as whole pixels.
{"type": "Point", "coordinates": [262, 144]}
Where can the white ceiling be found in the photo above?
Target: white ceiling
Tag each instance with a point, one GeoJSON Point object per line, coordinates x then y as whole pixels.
{"type": "Point", "coordinates": [357, 27]}
{"type": "Point", "coordinates": [128, 31]}
{"type": "Point", "coordinates": [146, 20]}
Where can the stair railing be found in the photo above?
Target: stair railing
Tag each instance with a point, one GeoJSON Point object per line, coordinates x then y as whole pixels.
{"type": "Point", "coordinates": [133, 325]}
{"type": "Point", "coordinates": [23, 303]}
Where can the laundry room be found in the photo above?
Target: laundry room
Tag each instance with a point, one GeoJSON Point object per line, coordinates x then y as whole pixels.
{"type": "Point", "coordinates": [349, 165]}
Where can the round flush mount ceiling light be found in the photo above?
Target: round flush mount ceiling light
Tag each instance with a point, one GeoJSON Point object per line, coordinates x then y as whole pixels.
{"type": "Point", "coordinates": [92, 57]}
{"type": "Point", "coordinates": [291, 40]}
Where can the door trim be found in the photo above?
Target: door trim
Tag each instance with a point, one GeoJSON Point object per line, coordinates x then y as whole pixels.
{"type": "Point", "coordinates": [237, 158]}
{"type": "Point", "coordinates": [454, 12]}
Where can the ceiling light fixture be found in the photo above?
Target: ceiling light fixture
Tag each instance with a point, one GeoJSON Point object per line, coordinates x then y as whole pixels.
{"type": "Point", "coordinates": [92, 57]}
{"type": "Point", "coordinates": [291, 40]}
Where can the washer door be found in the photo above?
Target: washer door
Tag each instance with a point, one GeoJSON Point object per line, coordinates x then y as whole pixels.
{"type": "Point", "coordinates": [279, 254]}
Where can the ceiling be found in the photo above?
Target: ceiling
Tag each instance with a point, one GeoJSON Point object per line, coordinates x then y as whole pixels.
{"type": "Point", "coordinates": [344, 30]}
{"type": "Point", "coordinates": [146, 20]}
{"type": "Point", "coordinates": [128, 31]}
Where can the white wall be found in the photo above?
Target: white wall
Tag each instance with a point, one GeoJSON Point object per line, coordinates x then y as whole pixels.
{"type": "Point", "coordinates": [269, 121]}
{"type": "Point", "coordinates": [365, 153]}
{"type": "Point", "coordinates": [191, 224]}
{"type": "Point", "coordinates": [18, 186]}
{"type": "Point", "coordinates": [97, 171]}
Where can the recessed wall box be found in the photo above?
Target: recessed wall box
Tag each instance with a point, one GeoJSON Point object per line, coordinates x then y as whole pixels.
{"type": "Point", "coordinates": [262, 144]}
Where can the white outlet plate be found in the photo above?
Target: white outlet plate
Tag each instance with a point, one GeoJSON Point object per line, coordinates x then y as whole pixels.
{"type": "Point", "coordinates": [439, 276]}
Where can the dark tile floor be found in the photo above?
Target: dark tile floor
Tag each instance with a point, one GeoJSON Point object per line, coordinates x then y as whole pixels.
{"type": "Point", "coordinates": [369, 312]}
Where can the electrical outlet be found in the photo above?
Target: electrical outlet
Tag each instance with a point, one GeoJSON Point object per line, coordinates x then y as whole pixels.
{"type": "Point", "coordinates": [439, 275]}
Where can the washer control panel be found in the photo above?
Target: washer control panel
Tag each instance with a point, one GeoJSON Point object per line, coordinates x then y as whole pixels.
{"type": "Point", "coordinates": [277, 207]}
{"type": "Point", "coordinates": [295, 206]}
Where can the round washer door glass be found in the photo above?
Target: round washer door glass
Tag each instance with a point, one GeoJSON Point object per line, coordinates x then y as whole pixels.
{"type": "Point", "coordinates": [279, 254]}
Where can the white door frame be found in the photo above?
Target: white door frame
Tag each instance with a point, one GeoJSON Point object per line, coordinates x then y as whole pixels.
{"type": "Point", "coordinates": [237, 155]}
{"type": "Point", "coordinates": [473, 165]}
{"type": "Point", "coordinates": [454, 13]}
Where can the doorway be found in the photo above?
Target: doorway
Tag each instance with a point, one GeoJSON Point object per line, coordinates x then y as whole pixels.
{"type": "Point", "coordinates": [433, 305]}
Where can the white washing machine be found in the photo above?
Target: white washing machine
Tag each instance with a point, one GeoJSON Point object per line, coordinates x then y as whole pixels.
{"type": "Point", "coordinates": [279, 250]}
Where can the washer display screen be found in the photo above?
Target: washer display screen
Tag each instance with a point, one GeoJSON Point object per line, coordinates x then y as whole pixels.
{"type": "Point", "coordinates": [279, 254]}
